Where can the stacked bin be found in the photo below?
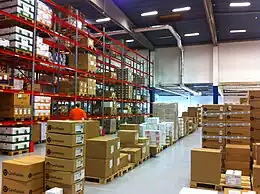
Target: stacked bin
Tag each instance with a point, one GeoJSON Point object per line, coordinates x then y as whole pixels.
{"type": "Point", "coordinates": [254, 102]}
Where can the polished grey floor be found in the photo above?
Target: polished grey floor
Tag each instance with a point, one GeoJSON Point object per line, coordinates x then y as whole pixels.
{"type": "Point", "coordinates": [167, 173]}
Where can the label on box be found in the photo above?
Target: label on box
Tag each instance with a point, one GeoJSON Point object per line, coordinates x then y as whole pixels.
{"type": "Point", "coordinates": [129, 157]}
{"type": "Point", "coordinates": [220, 132]}
{"type": "Point", "coordinates": [137, 136]}
{"type": "Point", "coordinates": [118, 161]}
{"type": "Point", "coordinates": [110, 163]}
{"type": "Point", "coordinates": [220, 140]}
{"type": "Point", "coordinates": [233, 192]}
{"type": "Point", "coordinates": [25, 111]}
{"type": "Point", "coordinates": [79, 175]}
{"type": "Point", "coordinates": [147, 143]}
{"type": "Point", "coordinates": [79, 139]}
{"type": "Point", "coordinates": [221, 116]}
{"type": "Point", "coordinates": [79, 163]}
{"type": "Point", "coordinates": [20, 111]}
{"type": "Point", "coordinates": [78, 187]}
{"type": "Point", "coordinates": [112, 149]}
{"type": "Point", "coordinates": [16, 111]}
{"type": "Point", "coordinates": [79, 128]}
{"type": "Point", "coordinates": [79, 152]}
{"type": "Point", "coordinates": [144, 150]}
{"type": "Point", "coordinates": [221, 108]}
{"type": "Point", "coordinates": [118, 145]}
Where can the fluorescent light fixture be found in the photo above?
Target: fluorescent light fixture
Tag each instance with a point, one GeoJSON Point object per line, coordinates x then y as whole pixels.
{"type": "Point", "coordinates": [192, 34]}
{"type": "Point", "coordinates": [237, 31]}
{"type": "Point", "coordinates": [181, 9]}
{"type": "Point", "coordinates": [103, 20]}
{"type": "Point", "coordinates": [190, 91]}
{"type": "Point", "coordinates": [149, 13]}
{"type": "Point", "coordinates": [130, 40]}
{"type": "Point", "coordinates": [165, 37]}
{"type": "Point", "coordinates": [242, 4]}
{"type": "Point", "coordinates": [157, 26]}
{"type": "Point", "coordinates": [171, 92]}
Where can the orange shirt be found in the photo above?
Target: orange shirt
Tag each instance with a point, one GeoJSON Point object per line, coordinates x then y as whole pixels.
{"type": "Point", "coordinates": [77, 114]}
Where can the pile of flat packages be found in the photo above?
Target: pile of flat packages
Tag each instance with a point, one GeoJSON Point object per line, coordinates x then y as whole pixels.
{"type": "Point", "coordinates": [203, 191]}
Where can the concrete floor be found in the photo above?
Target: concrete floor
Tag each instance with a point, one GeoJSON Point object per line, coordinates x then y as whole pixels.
{"type": "Point", "coordinates": [167, 173]}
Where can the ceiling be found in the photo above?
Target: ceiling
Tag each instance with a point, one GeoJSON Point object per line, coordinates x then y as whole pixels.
{"type": "Point", "coordinates": [226, 19]}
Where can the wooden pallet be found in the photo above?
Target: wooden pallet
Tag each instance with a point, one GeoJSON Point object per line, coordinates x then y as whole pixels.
{"type": "Point", "coordinates": [41, 118]}
{"type": "Point", "coordinates": [146, 158]}
{"type": "Point", "coordinates": [40, 142]}
{"type": "Point", "coordinates": [43, 26]}
{"type": "Point", "coordinates": [126, 170]}
{"type": "Point", "coordinates": [4, 17]}
{"type": "Point", "coordinates": [5, 86]}
{"type": "Point", "coordinates": [83, 94]}
{"type": "Point", "coordinates": [102, 180]}
{"type": "Point", "coordinates": [44, 58]}
{"type": "Point", "coordinates": [15, 119]}
{"type": "Point", "coordinates": [209, 186]}
{"type": "Point", "coordinates": [16, 152]}
{"type": "Point", "coordinates": [166, 146]}
{"type": "Point", "coordinates": [23, 52]}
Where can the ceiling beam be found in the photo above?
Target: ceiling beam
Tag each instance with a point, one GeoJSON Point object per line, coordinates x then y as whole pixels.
{"type": "Point", "coordinates": [210, 17]}
{"type": "Point", "coordinates": [236, 13]}
{"type": "Point", "coordinates": [110, 9]}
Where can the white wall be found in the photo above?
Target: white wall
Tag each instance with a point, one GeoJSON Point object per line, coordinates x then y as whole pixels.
{"type": "Point", "coordinates": [238, 62]}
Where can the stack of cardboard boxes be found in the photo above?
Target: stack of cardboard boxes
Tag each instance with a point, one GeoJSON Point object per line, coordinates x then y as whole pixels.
{"type": "Point", "coordinates": [65, 151]}
{"type": "Point", "coordinates": [42, 107]}
{"type": "Point", "coordinates": [102, 156]}
{"type": "Point", "coordinates": [87, 62]}
{"type": "Point", "coordinates": [254, 102]}
{"type": "Point", "coordinates": [129, 135]}
{"type": "Point", "coordinates": [256, 170]}
{"type": "Point", "coordinates": [23, 175]}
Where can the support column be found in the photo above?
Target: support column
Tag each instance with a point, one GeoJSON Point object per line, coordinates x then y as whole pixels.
{"type": "Point", "coordinates": [152, 98]}
{"type": "Point", "coordinates": [215, 74]}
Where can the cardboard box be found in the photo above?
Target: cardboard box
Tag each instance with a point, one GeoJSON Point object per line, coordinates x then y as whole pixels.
{"type": "Point", "coordinates": [237, 108]}
{"type": "Point", "coordinates": [123, 160]}
{"type": "Point", "coordinates": [23, 169]}
{"type": "Point", "coordinates": [92, 128]}
{"type": "Point", "coordinates": [116, 163]}
{"type": "Point", "coordinates": [117, 145]}
{"type": "Point", "coordinates": [243, 131]}
{"type": "Point", "coordinates": [256, 152]}
{"type": "Point", "coordinates": [65, 126]}
{"type": "Point", "coordinates": [15, 99]}
{"type": "Point", "coordinates": [253, 96]}
{"type": "Point", "coordinates": [16, 111]}
{"type": "Point", "coordinates": [10, 186]}
{"type": "Point", "coordinates": [213, 108]}
{"type": "Point", "coordinates": [67, 178]}
{"type": "Point", "coordinates": [238, 117]}
{"type": "Point", "coordinates": [65, 152]}
{"type": "Point", "coordinates": [142, 146]}
{"type": "Point", "coordinates": [256, 176]}
{"type": "Point", "coordinates": [103, 147]}
{"type": "Point", "coordinates": [192, 111]}
{"type": "Point", "coordinates": [99, 168]}
{"type": "Point", "coordinates": [134, 152]}
{"type": "Point", "coordinates": [213, 117]}
{"type": "Point", "coordinates": [235, 165]}
{"type": "Point", "coordinates": [134, 127]}
{"type": "Point", "coordinates": [240, 153]}
{"type": "Point", "coordinates": [217, 143]}
{"type": "Point", "coordinates": [233, 178]}
{"type": "Point", "coordinates": [77, 188]}
{"type": "Point", "coordinates": [255, 125]}
{"type": "Point", "coordinates": [236, 191]}
{"type": "Point", "coordinates": [154, 149]}
{"type": "Point", "coordinates": [128, 136]}
{"type": "Point", "coordinates": [210, 161]}
{"type": "Point", "coordinates": [36, 132]}
{"type": "Point", "coordinates": [213, 131]}
{"type": "Point", "coordinates": [238, 141]}
{"type": "Point", "coordinates": [64, 164]}
{"type": "Point", "coordinates": [65, 140]}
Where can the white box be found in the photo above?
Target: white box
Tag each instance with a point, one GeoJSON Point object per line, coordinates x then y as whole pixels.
{"type": "Point", "coordinates": [18, 84]}
{"type": "Point", "coordinates": [233, 178]}
{"type": "Point", "coordinates": [16, 29]}
{"type": "Point", "coordinates": [14, 138]}
{"type": "Point", "coordinates": [14, 146]}
{"type": "Point", "coordinates": [4, 42]}
{"type": "Point", "coordinates": [152, 120]}
{"type": "Point", "coordinates": [142, 129]}
{"type": "Point", "coordinates": [20, 3]}
{"type": "Point", "coordinates": [156, 137]}
{"type": "Point", "coordinates": [196, 191]}
{"type": "Point", "coordinates": [43, 130]}
{"type": "Point", "coordinates": [54, 191]}
{"type": "Point", "coordinates": [15, 130]}
{"type": "Point", "coordinates": [27, 11]}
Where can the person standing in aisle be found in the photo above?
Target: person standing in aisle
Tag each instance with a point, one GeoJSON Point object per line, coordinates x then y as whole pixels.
{"type": "Point", "coordinates": [77, 113]}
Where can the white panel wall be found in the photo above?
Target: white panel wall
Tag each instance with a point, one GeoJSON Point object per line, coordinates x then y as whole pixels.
{"type": "Point", "coordinates": [239, 62]}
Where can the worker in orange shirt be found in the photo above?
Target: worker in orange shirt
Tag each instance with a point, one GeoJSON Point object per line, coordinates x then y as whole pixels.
{"type": "Point", "coordinates": [77, 113]}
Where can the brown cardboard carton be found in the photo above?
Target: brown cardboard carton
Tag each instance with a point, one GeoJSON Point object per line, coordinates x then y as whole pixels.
{"type": "Point", "coordinates": [10, 186]}
{"type": "Point", "coordinates": [213, 117]}
{"type": "Point", "coordinates": [235, 191]}
{"type": "Point", "coordinates": [67, 178]}
{"type": "Point", "coordinates": [256, 176]}
{"type": "Point", "coordinates": [242, 131]}
{"type": "Point", "coordinates": [214, 108]}
{"type": "Point", "coordinates": [77, 188]}
{"type": "Point", "coordinates": [123, 160]}
{"type": "Point", "coordinates": [253, 96]}
{"type": "Point", "coordinates": [255, 135]}
{"type": "Point", "coordinates": [15, 99]}
{"type": "Point", "coordinates": [255, 125]}
{"type": "Point", "coordinates": [237, 108]}
{"type": "Point", "coordinates": [35, 88]}
{"type": "Point", "coordinates": [147, 143]}
{"type": "Point", "coordinates": [256, 149]}
{"type": "Point", "coordinates": [213, 131]}
{"type": "Point", "coordinates": [142, 146]}
{"type": "Point", "coordinates": [23, 169]}
{"type": "Point", "coordinates": [192, 111]}
{"type": "Point", "coordinates": [100, 168]}
{"type": "Point", "coordinates": [128, 136]}
{"type": "Point", "coordinates": [217, 143]}
{"type": "Point", "coordinates": [238, 117]}
{"type": "Point", "coordinates": [64, 164]}
{"type": "Point", "coordinates": [36, 132]}
{"type": "Point", "coordinates": [185, 114]}
{"type": "Point", "coordinates": [65, 140]}
{"type": "Point", "coordinates": [16, 111]}
{"type": "Point", "coordinates": [134, 127]}
{"type": "Point", "coordinates": [255, 114]}
{"type": "Point", "coordinates": [65, 152]}
{"type": "Point", "coordinates": [134, 152]}
{"type": "Point", "coordinates": [117, 145]}
{"type": "Point", "coordinates": [206, 165]}
{"type": "Point", "coordinates": [243, 166]}
{"type": "Point", "coordinates": [116, 163]}
{"type": "Point", "coordinates": [240, 153]}
{"type": "Point", "coordinates": [101, 147]}
{"type": "Point", "coordinates": [154, 149]}
{"type": "Point", "coordinates": [92, 128]}
{"type": "Point", "coordinates": [65, 127]}
{"type": "Point", "coordinates": [238, 141]}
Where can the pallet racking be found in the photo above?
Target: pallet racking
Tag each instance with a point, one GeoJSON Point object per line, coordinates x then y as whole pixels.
{"type": "Point", "coordinates": [64, 37]}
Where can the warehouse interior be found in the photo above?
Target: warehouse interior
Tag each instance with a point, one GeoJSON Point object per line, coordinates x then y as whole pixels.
{"type": "Point", "coordinates": [100, 96]}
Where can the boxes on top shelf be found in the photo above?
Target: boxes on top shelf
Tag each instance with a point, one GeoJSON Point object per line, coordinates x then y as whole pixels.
{"type": "Point", "coordinates": [44, 14]}
{"type": "Point", "coordinates": [15, 99]}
